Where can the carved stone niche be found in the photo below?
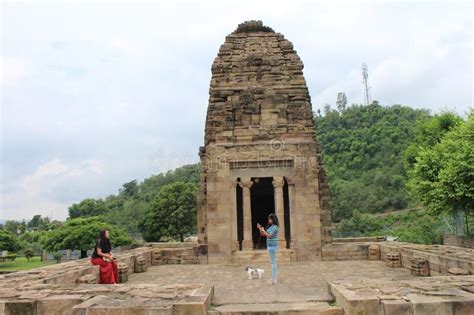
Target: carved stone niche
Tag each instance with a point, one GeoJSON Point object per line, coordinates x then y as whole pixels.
{"type": "Point", "coordinates": [256, 61]}
{"type": "Point", "coordinates": [374, 252]}
{"type": "Point", "coordinates": [246, 97]}
{"type": "Point", "coordinates": [420, 267]}
{"type": "Point", "coordinates": [393, 260]}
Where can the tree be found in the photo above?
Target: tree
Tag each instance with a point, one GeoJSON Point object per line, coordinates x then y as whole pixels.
{"type": "Point", "coordinates": [15, 227]}
{"type": "Point", "coordinates": [57, 256]}
{"type": "Point", "coordinates": [9, 241]}
{"type": "Point", "coordinates": [38, 222]}
{"type": "Point", "coordinates": [129, 189]}
{"type": "Point", "coordinates": [429, 131]}
{"type": "Point", "coordinates": [127, 208]}
{"type": "Point", "coordinates": [172, 213]}
{"type": "Point", "coordinates": [31, 239]}
{"type": "Point", "coordinates": [363, 148]}
{"type": "Point", "coordinates": [81, 234]}
{"type": "Point", "coordinates": [29, 252]}
{"type": "Point", "coordinates": [341, 102]}
{"type": "Point", "coordinates": [87, 208]}
{"type": "Point", "coordinates": [443, 174]}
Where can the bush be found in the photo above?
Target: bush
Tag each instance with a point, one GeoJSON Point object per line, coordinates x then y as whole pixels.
{"type": "Point", "coordinates": [81, 234]}
{"type": "Point", "coordinates": [10, 257]}
{"type": "Point", "coordinates": [29, 252]}
{"type": "Point", "coordinates": [9, 241]}
{"type": "Point", "coordinates": [57, 256]}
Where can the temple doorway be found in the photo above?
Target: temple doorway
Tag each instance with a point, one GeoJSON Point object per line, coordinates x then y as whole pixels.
{"type": "Point", "coordinates": [262, 204]}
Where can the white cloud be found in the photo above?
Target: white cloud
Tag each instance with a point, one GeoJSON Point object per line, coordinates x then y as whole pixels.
{"type": "Point", "coordinates": [37, 193]}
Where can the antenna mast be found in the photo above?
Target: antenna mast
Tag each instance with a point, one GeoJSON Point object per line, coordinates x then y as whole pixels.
{"type": "Point", "coordinates": [365, 80]}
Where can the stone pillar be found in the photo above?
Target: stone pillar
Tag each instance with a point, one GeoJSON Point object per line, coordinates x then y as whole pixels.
{"type": "Point", "coordinates": [233, 215]}
{"type": "Point", "coordinates": [292, 214]}
{"type": "Point", "coordinates": [278, 183]}
{"type": "Point", "coordinates": [247, 242]}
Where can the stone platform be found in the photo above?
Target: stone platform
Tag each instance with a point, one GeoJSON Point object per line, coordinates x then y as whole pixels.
{"type": "Point", "coordinates": [433, 295]}
{"type": "Point", "coordinates": [175, 279]}
{"type": "Point", "coordinates": [58, 289]}
{"type": "Point", "coordinates": [298, 282]}
{"type": "Point", "coordinates": [440, 258]}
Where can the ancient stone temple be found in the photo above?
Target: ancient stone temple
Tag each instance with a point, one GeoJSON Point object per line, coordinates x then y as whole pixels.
{"type": "Point", "coordinates": [260, 155]}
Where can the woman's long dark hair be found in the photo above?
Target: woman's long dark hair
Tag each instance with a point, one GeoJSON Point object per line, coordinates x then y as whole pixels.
{"type": "Point", "coordinates": [102, 237]}
{"type": "Point", "coordinates": [274, 218]}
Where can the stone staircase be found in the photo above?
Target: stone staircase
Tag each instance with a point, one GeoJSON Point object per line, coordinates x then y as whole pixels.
{"type": "Point", "coordinates": [259, 257]}
{"type": "Point", "coordinates": [306, 308]}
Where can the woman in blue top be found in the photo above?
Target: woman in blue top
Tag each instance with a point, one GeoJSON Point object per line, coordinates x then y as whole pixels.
{"type": "Point", "coordinates": [272, 243]}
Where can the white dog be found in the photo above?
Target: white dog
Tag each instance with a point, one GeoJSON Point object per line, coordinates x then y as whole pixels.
{"type": "Point", "coordinates": [254, 272]}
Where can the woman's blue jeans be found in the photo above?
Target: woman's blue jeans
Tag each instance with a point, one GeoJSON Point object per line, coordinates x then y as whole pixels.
{"type": "Point", "coordinates": [272, 251]}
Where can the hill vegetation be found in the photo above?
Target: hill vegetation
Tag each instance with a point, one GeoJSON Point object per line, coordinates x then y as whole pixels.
{"type": "Point", "coordinates": [363, 152]}
{"type": "Point", "coordinates": [378, 159]}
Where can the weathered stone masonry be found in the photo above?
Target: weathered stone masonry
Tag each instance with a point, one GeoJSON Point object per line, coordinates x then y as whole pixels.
{"type": "Point", "coordinates": [260, 154]}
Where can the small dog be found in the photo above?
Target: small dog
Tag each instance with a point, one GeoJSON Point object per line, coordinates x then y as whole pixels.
{"type": "Point", "coordinates": [254, 272]}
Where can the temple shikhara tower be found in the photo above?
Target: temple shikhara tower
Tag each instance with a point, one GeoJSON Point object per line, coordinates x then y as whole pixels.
{"type": "Point", "coordinates": [260, 155]}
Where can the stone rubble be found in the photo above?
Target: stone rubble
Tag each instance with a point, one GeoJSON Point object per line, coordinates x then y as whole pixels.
{"type": "Point", "coordinates": [71, 288]}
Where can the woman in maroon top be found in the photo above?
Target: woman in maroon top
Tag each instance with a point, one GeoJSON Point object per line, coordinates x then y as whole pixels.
{"type": "Point", "coordinates": [103, 257]}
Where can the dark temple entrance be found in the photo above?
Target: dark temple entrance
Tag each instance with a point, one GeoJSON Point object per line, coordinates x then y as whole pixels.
{"type": "Point", "coordinates": [262, 204]}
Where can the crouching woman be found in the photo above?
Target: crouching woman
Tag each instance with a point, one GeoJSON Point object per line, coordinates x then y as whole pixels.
{"type": "Point", "coordinates": [103, 257]}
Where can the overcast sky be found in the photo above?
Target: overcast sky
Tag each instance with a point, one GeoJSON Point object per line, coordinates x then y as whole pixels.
{"type": "Point", "coordinates": [94, 95]}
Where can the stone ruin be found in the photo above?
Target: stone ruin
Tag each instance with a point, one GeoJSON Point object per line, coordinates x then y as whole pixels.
{"type": "Point", "coordinates": [71, 288]}
{"type": "Point", "coordinates": [260, 155]}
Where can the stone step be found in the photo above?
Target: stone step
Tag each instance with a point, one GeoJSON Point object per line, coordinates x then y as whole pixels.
{"type": "Point", "coordinates": [306, 308]}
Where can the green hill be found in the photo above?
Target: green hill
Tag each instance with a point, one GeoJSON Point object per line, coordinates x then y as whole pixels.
{"type": "Point", "coordinates": [368, 152]}
{"type": "Point", "coordinates": [363, 152]}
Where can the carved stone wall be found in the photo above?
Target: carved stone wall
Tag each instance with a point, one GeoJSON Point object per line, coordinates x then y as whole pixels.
{"type": "Point", "coordinates": [260, 124]}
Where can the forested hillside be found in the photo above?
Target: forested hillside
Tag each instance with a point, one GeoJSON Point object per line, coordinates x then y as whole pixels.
{"type": "Point", "coordinates": [368, 152]}
{"type": "Point", "coordinates": [378, 159]}
{"type": "Point", "coordinates": [129, 206]}
{"type": "Point", "coordinates": [364, 153]}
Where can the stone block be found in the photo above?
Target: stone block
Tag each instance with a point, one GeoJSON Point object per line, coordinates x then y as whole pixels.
{"type": "Point", "coordinates": [374, 252]}
{"type": "Point", "coordinates": [463, 307]}
{"type": "Point", "coordinates": [458, 271]}
{"type": "Point", "coordinates": [396, 307]}
{"type": "Point", "coordinates": [123, 270]}
{"type": "Point", "coordinates": [393, 260]}
{"type": "Point", "coordinates": [89, 279]}
{"type": "Point", "coordinates": [420, 267]}
{"type": "Point", "coordinates": [140, 264]}
{"type": "Point", "coordinates": [58, 304]}
{"type": "Point", "coordinates": [20, 307]}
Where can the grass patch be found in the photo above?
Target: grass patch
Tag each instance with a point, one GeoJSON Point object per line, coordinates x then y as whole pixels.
{"type": "Point", "coordinates": [333, 303]}
{"type": "Point", "coordinates": [21, 263]}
